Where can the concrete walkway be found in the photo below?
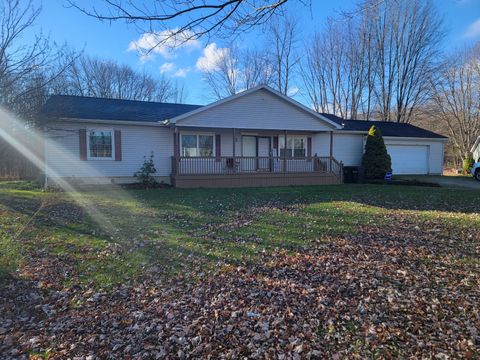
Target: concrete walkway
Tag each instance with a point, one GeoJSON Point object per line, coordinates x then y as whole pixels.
{"type": "Point", "coordinates": [466, 182]}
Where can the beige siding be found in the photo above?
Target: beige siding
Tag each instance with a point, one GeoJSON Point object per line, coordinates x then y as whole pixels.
{"type": "Point", "coordinates": [347, 148]}
{"type": "Point", "coordinates": [257, 110]}
{"type": "Point", "coordinates": [63, 158]}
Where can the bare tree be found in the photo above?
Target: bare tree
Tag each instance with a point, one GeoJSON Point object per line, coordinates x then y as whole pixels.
{"type": "Point", "coordinates": [178, 93]}
{"type": "Point", "coordinates": [25, 71]}
{"type": "Point", "coordinates": [25, 68]}
{"type": "Point", "coordinates": [456, 99]}
{"type": "Point", "coordinates": [238, 70]}
{"type": "Point", "coordinates": [407, 36]}
{"type": "Point", "coordinates": [283, 51]}
{"type": "Point", "coordinates": [198, 17]}
{"type": "Point", "coordinates": [105, 78]}
{"type": "Point", "coordinates": [337, 69]}
{"type": "Point", "coordinates": [377, 62]}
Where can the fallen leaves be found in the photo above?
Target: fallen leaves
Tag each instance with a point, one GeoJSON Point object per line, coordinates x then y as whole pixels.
{"type": "Point", "coordinates": [406, 286]}
{"type": "Point", "coordinates": [394, 291]}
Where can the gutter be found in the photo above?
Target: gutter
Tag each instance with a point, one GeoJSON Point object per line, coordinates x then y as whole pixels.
{"type": "Point", "coordinates": [164, 123]}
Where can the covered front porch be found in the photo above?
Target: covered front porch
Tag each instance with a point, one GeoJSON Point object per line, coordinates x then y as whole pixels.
{"type": "Point", "coordinates": [252, 157]}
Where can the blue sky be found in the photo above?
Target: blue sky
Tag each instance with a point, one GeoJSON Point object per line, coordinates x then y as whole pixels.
{"type": "Point", "coordinates": [117, 40]}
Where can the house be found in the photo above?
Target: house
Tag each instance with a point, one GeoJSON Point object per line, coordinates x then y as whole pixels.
{"type": "Point", "coordinates": [255, 138]}
{"type": "Point", "coordinates": [475, 150]}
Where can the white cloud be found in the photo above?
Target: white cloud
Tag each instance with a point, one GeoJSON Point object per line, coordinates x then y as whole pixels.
{"type": "Point", "coordinates": [164, 43]}
{"type": "Point", "coordinates": [146, 57]}
{"type": "Point", "coordinates": [473, 29]}
{"type": "Point", "coordinates": [293, 91]}
{"type": "Point", "coordinates": [211, 58]}
{"type": "Point", "coordinates": [167, 67]}
{"type": "Point", "coordinates": [182, 72]}
{"type": "Point", "coordinates": [170, 67]}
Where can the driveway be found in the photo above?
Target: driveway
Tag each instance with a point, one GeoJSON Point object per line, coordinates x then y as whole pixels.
{"type": "Point", "coordinates": [466, 182]}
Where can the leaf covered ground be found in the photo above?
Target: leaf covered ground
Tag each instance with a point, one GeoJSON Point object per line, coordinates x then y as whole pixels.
{"type": "Point", "coordinates": [337, 271]}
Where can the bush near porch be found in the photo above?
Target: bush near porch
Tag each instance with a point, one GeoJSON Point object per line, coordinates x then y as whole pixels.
{"type": "Point", "coordinates": [376, 161]}
{"type": "Point", "coordinates": [352, 270]}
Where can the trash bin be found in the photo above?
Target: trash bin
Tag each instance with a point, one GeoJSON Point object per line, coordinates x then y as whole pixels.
{"type": "Point", "coordinates": [351, 174]}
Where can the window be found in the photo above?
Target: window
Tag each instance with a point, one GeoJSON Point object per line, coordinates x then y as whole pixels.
{"type": "Point", "coordinates": [296, 146]}
{"type": "Point", "coordinates": [100, 144]}
{"type": "Point", "coordinates": [197, 145]}
{"type": "Point", "coordinates": [189, 145]}
{"type": "Point", "coordinates": [205, 145]}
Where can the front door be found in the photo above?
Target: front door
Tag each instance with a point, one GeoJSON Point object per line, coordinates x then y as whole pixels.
{"type": "Point", "coordinates": [263, 153]}
{"type": "Point", "coordinates": [249, 153]}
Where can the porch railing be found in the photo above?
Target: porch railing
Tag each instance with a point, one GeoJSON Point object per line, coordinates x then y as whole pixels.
{"type": "Point", "coordinates": [225, 165]}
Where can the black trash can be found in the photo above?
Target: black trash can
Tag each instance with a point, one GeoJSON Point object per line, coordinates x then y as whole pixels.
{"type": "Point", "coordinates": [351, 174]}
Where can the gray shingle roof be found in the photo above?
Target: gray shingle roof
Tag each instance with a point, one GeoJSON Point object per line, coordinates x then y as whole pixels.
{"type": "Point", "coordinates": [387, 128]}
{"type": "Point", "coordinates": [80, 107]}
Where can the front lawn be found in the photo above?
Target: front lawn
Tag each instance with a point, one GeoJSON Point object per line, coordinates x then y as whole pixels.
{"type": "Point", "coordinates": [352, 270]}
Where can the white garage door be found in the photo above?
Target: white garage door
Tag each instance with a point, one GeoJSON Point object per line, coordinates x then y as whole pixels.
{"type": "Point", "coordinates": [408, 159]}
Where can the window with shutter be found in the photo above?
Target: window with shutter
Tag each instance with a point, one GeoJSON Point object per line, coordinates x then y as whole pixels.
{"type": "Point", "coordinates": [100, 144]}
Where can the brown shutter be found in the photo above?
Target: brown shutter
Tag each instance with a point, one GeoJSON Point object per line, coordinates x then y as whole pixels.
{"type": "Point", "coordinates": [275, 145]}
{"type": "Point", "coordinates": [118, 145]}
{"type": "Point", "coordinates": [309, 148]}
{"type": "Point", "coordinates": [82, 140]}
{"type": "Point", "coordinates": [218, 149]}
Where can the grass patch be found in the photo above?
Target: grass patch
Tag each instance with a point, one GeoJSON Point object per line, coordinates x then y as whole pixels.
{"type": "Point", "coordinates": [118, 236]}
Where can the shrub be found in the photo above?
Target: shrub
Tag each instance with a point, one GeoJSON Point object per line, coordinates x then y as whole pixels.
{"type": "Point", "coordinates": [468, 163]}
{"type": "Point", "coordinates": [145, 174]}
{"type": "Point", "coordinates": [375, 162]}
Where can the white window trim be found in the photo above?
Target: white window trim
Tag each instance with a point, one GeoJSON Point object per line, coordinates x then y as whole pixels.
{"type": "Point", "coordinates": [88, 145]}
{"type": "Point", "coordinates": [198, 149]}
{"type": "Point", "coordinates": [282, 138]}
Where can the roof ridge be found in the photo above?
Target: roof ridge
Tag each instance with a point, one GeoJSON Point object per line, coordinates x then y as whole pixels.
{"type": "Point", "coordinates": [383, 121]}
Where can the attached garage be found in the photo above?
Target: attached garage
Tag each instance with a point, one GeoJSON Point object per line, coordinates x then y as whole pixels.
{"type": "Point", "coordinates": [414, 151]}
{"type": "Point", "coordinates": [409, 159]}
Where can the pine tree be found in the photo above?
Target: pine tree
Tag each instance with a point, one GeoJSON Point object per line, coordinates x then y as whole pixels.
{"type": "Point", "coordinates": [375, 162]}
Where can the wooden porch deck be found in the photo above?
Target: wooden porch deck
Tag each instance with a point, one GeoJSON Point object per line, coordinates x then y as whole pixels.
{"type": "Point", "coordinates": [228, 171]}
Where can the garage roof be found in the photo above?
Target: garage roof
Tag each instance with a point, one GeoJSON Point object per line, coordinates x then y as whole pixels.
{"type": "Point", "coordinates": [388, 128]}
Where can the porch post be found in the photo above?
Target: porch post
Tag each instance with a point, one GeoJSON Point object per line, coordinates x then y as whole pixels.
{"type": "Point", "coordinates": [331, 149]}
{"type": "Point", "coordinates": [233, 150]}
{"type": "Point", "coordinates": [176, 151]}
{"type": "Point", "coordinates": [285, 151]}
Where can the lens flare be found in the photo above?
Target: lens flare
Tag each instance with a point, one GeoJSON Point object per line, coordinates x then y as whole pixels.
{"type": "Point", "coordinates": [36, 140]}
